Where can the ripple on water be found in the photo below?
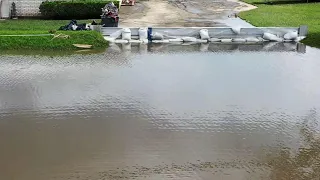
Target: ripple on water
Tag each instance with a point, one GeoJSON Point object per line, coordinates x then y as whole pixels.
{"type": "Point", "coordinates": [177, 115]}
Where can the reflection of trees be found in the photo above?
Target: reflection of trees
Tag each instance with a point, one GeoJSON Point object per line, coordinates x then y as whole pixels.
{"type": "Point", "coordinates": [303, 164]}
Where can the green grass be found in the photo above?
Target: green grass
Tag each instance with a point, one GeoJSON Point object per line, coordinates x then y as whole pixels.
{"type": "Point", "coordinates": [19, 27]}
{"type": "Point", "coordinates": [291, 15]}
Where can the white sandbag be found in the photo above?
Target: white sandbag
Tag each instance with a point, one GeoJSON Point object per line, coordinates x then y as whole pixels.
{"type": "Point", "coordinates": [116, 34]}
{"type": "Point", "coordinates": [157, 36]}
{"type": "Point", "coordinates": [135, 41]}
{"type": "Point", "coordinates": [161, 41]}
{"type": "Point", "coordinates": [291, 35]}
{"type": "Point", "coordinates": [252, 39]}
{"type": "Point", "coordinates": [240, 40]}
{"type": "Point", "coordinates": [109, 39]}
{"type": "Point", "coordinates": [143, 33]}
{"type": "Point", "coordinates": [126, 34]}
{"type": "Point", "coordinates": [176, 40]}
{"type": "Point", "coordinates": [122, 41]}
{"type": "Point", "coordinates": [236, 30]}
{"type": "Point", "coordinates": [271, 37]}
{"type": "Point", "coordinates": [204, 34]}
{"type": "Point", "coordinates": [202, 41]}
{"type": "Point", "coordinates": [215, 40]}
{"type": "Point", "coordinates": [189, 39]}
{"type": "Point", "coordinates": [226, 40]}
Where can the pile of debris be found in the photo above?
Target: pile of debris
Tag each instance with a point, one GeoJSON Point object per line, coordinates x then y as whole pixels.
{"type": "Point", "coordinates": [74, 26]}
{"type": "Point", "coordinates": [110, 15]}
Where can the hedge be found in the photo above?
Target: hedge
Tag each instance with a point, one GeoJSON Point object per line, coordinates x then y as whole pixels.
{"type": "Point", "coordinates": [73, 10]}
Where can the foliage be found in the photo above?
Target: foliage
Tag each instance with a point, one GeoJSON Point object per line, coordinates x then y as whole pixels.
{"type": "Point", "coordinates": [73, 9]}
{"type": "Point", "coordinates": [19, 27]}
{"type": "Point", "coordinates": [291, 15]}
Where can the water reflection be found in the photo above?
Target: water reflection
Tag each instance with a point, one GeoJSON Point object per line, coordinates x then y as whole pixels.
{"type": "Point", "coordinates": [181, 114]}
{"type": "Point", "coordinates": [208, 47]}
{"type": "Point", "coordinates": [302, 162]}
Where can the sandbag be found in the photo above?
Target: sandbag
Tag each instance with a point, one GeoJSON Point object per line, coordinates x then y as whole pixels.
{"type": "Point", "coordinates": [143, 33]}
{"type": "Point", "coordinates": [189, 39]}
{"type": "Point", "coordinates": [215, 40]}
{"type": "Point", "coordinates": [271, 37]}
{"type": "Point", "coordinates": [252, 39]}
{"type": "Point", "coordinates": [239, 40]}
{"type": "Point", "coordinates": [122, 41]}
{"type": "Point", "coordinates": [202, 41]}
{"type": "Point", "coordinates": [291, 35]}
{"type": "Point", "coordinates": [204, 34]}
{"type": "Point", "coordinates": [176, 40]}
{"type": "Point", "coordinates": [157, 36]}
{"type": "Point", "coordinates": [161, 41]}
{"type": "Point", "coordinates": [126, 34]}
{"type": "Point", "coordinates": [135, 41]}
{"type": "Point", "coordinates": [226, 40]}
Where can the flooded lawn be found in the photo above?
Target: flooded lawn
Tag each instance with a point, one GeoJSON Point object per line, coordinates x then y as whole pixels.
{"type": "Point", "coordinates": [155, 112]}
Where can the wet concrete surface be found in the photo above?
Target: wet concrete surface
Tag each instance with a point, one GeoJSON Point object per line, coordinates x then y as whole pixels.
{"type": "Point", "coordinates": [182, 114]}
{"type": "Point", "coordinates": [185, 13]}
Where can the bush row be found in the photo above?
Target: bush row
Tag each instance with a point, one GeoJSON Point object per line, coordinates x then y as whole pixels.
{"type": "Point", "coordinates": [73, 10]}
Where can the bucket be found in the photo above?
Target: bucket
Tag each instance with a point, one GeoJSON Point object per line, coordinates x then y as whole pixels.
{"type": "Point", "coordinates": [4, 9]}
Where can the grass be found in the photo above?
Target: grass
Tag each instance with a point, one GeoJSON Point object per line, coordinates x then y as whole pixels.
{"type": "Point", "coordinates": [22, 27]}
{"type": "Point", "coordinates": [285, 14]}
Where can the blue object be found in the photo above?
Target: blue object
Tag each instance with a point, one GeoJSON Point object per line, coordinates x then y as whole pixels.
{"type": "Point", "coordinates": [150, 33]}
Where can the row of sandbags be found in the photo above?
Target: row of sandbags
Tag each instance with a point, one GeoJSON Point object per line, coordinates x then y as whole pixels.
{"type": "Point", "coordinates": [125, 34]}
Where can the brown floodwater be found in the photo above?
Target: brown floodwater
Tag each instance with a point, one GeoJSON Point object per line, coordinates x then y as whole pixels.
{"type": "Point", "coordinates": [161, 113]}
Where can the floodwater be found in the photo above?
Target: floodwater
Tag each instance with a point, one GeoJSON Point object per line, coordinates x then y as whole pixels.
{"type": "Point", "coordinates": [153, 112]}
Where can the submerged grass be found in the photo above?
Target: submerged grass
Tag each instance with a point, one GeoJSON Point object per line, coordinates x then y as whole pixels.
{"type": "Point", "coordinates": [31, 27]}
{"type": "Point", "coordinates": [285, 14]}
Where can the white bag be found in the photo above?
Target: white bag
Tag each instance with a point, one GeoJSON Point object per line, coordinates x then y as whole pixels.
{"type": "Point", "coordinates": [226, 40]}
{"type": "Point", "coordinates": [143, 33]}
{"type": "Point", "coordinates": [202, 41]}
{"type": "Point", "coordinates": [161, 41]}
{"type": "Point", "coordinates": [121, 41]}
{"type": "Point", "coordinates": [215, 40]}
{"type": "Point", "coordinates": [176, 40]}
{"type": "Point", "coordinates": [189, 39]}
{"type": "Point", "coordinates": [291, 35]}
{"type": "Point", "coordinates": [252, 39]}
{"type": "Point", "coordinates": [239, 40]}
{"type": "Point", "coordinates": [157, 36]}
{"type": "Point", "coordinates": [135, 41]}
{"type": "Point", "coordinates": [126, 34]}
{"type": "Point", "coordinates": [271, 37]}
{"type": "Point", "coordinates": [204, 34]}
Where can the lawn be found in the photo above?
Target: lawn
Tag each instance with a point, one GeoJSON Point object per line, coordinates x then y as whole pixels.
{"type": "Point", "coordinates": [291, 15]}
{"type": "Point", "coordinates": [22, 27]}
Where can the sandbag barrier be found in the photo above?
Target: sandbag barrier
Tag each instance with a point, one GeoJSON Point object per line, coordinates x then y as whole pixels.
{"type": "Point", "coordinates": [203, 34]}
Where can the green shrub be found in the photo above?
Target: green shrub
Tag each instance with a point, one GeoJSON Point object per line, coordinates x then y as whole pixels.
{"type": "Point", "coordinates": [73, 9]}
